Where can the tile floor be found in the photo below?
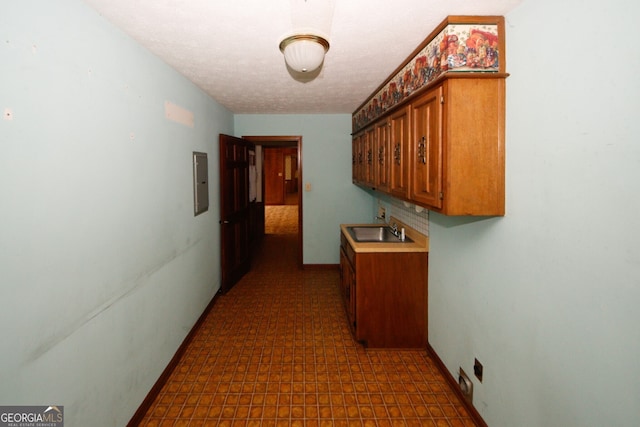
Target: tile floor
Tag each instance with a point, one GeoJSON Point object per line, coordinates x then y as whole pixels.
{"type": "Point", "coordinates": [276, 351]}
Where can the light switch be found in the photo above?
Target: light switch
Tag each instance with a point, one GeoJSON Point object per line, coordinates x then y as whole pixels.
{"type": "Point", "coordinates": [307, 186]}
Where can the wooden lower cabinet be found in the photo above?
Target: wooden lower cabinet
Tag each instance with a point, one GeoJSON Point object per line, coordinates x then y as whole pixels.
{"type": "Point", "coordinates": [385, 296]}
{"type": "Point", "coordinates": [348, 287]}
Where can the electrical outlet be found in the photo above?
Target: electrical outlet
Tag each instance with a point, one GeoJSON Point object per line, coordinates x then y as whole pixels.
{"type": "Point", "coordinates": [466, 386]}
{"type": "Point", "coordinates": [382, 212]}
{"type": "Point", "coordinates": [477, 370]}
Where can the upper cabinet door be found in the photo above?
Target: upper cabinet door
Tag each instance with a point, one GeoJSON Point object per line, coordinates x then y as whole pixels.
{"type": "Point", "coordinates": [369, 164]}
{"type": "Point", "coordinates": [382, 157]}
{"type": "Point", "coordinates": [425, 149]}
{"type": "Point", "coordinates": [355, 150]}
{"type": "Point", "coordinates": [398, 152]}
{"type": "Point", "coordinates": [359, 158]}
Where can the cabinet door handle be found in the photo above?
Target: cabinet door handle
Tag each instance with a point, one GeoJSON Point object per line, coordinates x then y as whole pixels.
{"type": "Point", "coordinates": [427, 150]}
{"type": "Point", "coordinates": [422, 151]}
{"type": "Point", "coordinates": [381, 155]}
{"type": "Point", "coordinates": [396, 153]}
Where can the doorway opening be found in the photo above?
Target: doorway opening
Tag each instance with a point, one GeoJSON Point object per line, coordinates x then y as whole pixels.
{"type": "Point", "coordinates": [280, 179]}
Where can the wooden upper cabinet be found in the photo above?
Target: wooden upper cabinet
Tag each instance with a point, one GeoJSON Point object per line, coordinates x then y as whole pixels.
{"type": "Point", "coordinates": [381, 156]}
{"type": "Point", "coordinates": [399, 145]}
{"type": "Point", "coordinates": [369, 164]}
{"type": "Point", "coordinates": [457, 147]}
{"type": "Point", "coordinates": [355, 157]}
{"type": "Point", "coordinates": [370, 157]}
{"type": "Point", "coordinates": [444, 150]}
{"type": "Point", "coordinates": [425, 149]}
{"type": "Point", "coordinates": [443, 115]}
{"type": "Point", "coordinates": [467, 139]}
{"type": "Point", "coordinates": [360, 158]}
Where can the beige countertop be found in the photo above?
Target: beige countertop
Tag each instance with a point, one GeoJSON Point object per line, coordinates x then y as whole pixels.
{"type": "Point", "coordinates": [420, 241]}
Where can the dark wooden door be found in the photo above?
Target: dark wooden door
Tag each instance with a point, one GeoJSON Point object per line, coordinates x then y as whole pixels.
{"type": "Point", "coordinates": [234, 209]}
{"type": "Point", "coordinates": [290, 171]}
{"type": "Point", "coordinates": [273, 176]}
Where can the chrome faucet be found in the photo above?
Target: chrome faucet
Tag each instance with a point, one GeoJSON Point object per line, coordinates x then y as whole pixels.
{"type": "Point", "coordinates": [399, 234]}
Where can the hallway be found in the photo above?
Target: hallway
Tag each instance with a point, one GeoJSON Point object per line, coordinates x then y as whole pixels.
{"type": "Point", "coordinates": [276, 350]}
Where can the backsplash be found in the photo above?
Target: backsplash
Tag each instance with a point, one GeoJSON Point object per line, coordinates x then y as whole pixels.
{"type": "Point", "coordinates": [407, 214]}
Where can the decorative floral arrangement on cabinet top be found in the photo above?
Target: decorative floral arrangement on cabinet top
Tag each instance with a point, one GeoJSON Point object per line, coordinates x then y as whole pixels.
{"type": "Point", "coordinates": [457, 48]}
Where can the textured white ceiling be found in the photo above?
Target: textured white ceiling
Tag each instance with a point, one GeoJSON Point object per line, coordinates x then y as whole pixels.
{"type": "Point", "coordinates": [229, 48]}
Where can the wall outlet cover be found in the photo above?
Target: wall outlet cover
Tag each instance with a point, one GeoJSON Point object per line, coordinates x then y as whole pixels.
{"type": "Point", "coordinates": [478, 370]}
{"type": "Point", "coordinates": [466, 386]}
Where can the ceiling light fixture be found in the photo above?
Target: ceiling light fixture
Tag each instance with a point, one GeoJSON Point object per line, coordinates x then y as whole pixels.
{"type": "Point", "coordinates": [304, 52]}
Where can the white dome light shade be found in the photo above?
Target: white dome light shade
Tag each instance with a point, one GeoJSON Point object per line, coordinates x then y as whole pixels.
{"type": "Point", "coordinates": [304, 52]}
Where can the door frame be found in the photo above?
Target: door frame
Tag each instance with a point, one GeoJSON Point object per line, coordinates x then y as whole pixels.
{"type": "Point", "coordinates": [285, 141]}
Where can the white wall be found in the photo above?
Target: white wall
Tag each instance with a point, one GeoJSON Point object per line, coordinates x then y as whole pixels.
{"type": "Point", "coordinates": [326, 166]}
{"type": "Point", "coordinates": [103, 267]}
{"type": "Point", "coordinates": [547, 297]}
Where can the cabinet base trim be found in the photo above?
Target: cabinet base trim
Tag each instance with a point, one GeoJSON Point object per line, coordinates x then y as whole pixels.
{"type": "Point", "coordinates": [320, 266]}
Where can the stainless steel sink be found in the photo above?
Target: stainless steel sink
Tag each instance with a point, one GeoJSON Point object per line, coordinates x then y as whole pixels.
{"type": "Point", "coordinates": [381, 234]}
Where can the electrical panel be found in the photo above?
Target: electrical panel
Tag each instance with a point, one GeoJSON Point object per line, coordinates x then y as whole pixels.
{"type": "Point", "coordinates": [200, 183]}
